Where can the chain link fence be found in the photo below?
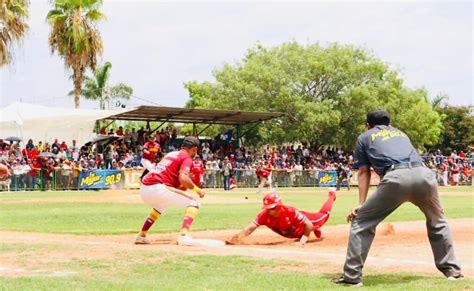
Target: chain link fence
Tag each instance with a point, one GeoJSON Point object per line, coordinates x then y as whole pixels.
{"type": "Point", "coordinates": [62, 179]}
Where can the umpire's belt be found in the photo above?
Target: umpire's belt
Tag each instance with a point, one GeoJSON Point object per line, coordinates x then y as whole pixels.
{"type": "Point", "coordinates": [404, 165]}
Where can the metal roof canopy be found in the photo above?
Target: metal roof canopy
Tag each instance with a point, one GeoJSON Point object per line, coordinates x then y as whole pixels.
{"type": "Point", "coordinates": [190, 115]}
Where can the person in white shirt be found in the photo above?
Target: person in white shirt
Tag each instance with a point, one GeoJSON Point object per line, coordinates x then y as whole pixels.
{"type": "Point", "coordinates": [305, 152]}
{"type": "Point", "coordinates": [66, 173]}
{"type": "Point", "coordinates": [298, 170]}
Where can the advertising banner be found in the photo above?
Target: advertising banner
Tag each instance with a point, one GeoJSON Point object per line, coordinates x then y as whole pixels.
{"type": "Point", "coordinates": [327, 178]}
{"type": "Point", "coordinates": [132, 178]}
{"type": "Point", "coordinates": [101, 179]}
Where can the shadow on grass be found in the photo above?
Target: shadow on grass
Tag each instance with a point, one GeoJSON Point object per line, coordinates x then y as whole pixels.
{"type": "Point", "coordinates": [385, 279]}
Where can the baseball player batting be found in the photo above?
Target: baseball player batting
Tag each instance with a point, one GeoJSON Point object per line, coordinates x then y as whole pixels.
{"type": "Point", "coordinates": [288, 221]}
{"type": "Point", "coordinates": [163, 187]}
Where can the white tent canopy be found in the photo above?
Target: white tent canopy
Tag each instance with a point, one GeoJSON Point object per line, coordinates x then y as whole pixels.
{"type": "Point", "coordinates": [42, 123]}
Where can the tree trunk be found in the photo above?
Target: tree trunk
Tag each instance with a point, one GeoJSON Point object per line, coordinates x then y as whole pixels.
{"type": "Point", "coordinates": [77, 77]}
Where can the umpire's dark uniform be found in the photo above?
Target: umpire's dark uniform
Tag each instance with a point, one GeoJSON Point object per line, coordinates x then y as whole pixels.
{"type": "Point", "coordinates": [403, 178]}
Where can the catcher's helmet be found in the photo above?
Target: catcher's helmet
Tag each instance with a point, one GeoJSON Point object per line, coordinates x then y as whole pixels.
{"type": "Point", "coordinates": [271, 200]}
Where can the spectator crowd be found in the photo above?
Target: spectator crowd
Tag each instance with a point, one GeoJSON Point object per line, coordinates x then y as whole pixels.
{"type": "Point", "coordinates": [44, 165]}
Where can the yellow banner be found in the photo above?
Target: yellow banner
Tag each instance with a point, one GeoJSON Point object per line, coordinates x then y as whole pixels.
{"type": "Point", "coordinates": [132, 178]}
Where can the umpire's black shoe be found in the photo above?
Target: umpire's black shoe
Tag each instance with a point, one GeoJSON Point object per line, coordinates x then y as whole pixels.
{"type": "Point", "coordinates": [456, 277]}
{"type": "Point", "coordinates": [342, 281]}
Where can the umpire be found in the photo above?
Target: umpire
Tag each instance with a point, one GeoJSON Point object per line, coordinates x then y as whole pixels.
{"type": "Point", "coordinates": [404, 178]}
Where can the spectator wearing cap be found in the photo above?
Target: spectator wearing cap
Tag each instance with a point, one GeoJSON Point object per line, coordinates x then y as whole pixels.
{"type": "Point", "coordinates": [120, 165]}
{"type": "Point", "coordinates": [227, 172]}
{"type": "Point", "coordinates": [63, 146]}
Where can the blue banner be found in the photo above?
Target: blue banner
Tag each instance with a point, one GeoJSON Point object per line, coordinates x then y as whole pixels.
{"type": "Point", "coordinates": [101, 179]}
{"type": "Point", "coordinates": [327, 178]}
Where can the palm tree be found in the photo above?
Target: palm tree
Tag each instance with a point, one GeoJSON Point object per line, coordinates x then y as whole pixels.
{"type": "Point", "coordinates": [13, 27]}
{"type": "Point", "coordinates": [97, 88]}
{"type": "Point", "coordinates": [439, 101]}
{"type": "Point", "coordinates": [75, 37]}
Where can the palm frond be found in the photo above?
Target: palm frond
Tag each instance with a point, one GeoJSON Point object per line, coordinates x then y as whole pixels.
{"type": "Point", "coordinates": [75, 37]}
{"type": "Point", "coordinates": [102, 75]}
{"type": "Point", "coordinates": [13, 26]}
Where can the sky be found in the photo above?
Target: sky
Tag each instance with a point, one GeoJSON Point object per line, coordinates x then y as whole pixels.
{"type": "Point", "coordinates": [156, 46]}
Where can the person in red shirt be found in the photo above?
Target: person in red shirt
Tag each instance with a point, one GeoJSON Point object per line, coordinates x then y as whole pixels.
{"type": "Point", "coordinates": [151, 150]}
{"type": "Point", "coordinates": [166, 186]}
{"type": "Point", "coordinates": [63, 146]}
{"type": "Point", "coordinates": [197, 170]}
{"type": "Point", "coordinates": [466, 172]}
{"type": "Point", "coordinates": [33, 173]}
{"type": "Point", "coordinates": [288, 221]}
{"type": "Point", "coordinates": [119, 131]}
{"type": "Point", "coordinates": [264, 174]}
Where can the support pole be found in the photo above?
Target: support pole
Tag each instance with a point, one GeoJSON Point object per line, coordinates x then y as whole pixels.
{"type": "Point", "coordinates": [108, 124]}
{"type": "Point", "coordinates": [159, 126]}
{"type": "Point", "coordinates": [252, 127]}
{"type": "Point", "coordinates": [204, 129]}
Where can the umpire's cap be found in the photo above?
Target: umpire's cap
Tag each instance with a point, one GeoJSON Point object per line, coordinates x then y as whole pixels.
{"type": "Point", "coordinates": [378, 117]}
{"type": "Point", "coordinates": [190, 141]}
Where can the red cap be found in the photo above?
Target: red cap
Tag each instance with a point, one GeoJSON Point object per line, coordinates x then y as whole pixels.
{"type": "Point", "coordinates": [271, 200]}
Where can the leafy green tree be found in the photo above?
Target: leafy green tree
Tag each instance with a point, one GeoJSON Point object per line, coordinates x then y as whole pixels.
{"type": "Point", "coordinates": [75, 37]}
{"type": "Point", "coordinates": [324, 93]}
{"type": "Point", "coordinates": [97, 87]}
{"type": "Point", "coordinates": [13, 26]}
{"type": "Point", "coordinates": [458, 132]}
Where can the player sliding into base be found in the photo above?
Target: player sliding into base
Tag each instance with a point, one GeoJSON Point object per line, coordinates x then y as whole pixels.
{"type": "Point", "coordinates": [288, 221]}
{"type": "Point", "coordinates": [163, 187]}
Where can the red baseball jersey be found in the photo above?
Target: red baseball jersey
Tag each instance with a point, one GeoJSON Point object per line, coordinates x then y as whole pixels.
{"type": "Point", "coordinates": [197, 169]}
{"type": "Point", "coordinates": [153, 149]}
{"type": "Point", "coordinates": [289, 224]}
{"type": "Point", "coordinates": [168, 169]}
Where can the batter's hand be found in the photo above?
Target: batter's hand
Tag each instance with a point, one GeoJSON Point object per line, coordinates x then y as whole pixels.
{"type": "Point", "coordinates": [353, 213]}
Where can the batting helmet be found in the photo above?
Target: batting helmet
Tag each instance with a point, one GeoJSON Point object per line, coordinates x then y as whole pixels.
{"type": "Point", "coordinates": [271, 200]}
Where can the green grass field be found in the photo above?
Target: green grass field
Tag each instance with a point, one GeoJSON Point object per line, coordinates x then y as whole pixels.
{"type": "Point", "coordinates": [112, 218]}
{"type": "Point", "coordinates": [151, 268]}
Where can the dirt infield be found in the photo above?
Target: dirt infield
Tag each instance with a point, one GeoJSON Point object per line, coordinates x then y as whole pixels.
{"type": "Point", "coordinates": [400, 246]}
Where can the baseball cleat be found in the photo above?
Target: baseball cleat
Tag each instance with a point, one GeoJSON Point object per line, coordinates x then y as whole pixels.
{"type": "Point", "coordinates": [332, 193]}
{"type": "Point", "coordinates": [342, 281]}
{"type": "Point", "coordinates": [317, 233]}
{"type": "Point", "coordinates": [141, 240]}
{"type": "Point", "coordinates": [185, 240]}
{"type": "Point", "coordinates": [456, 277]}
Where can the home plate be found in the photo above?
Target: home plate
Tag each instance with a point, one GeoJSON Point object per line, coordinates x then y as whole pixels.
{"type": "Point", "coordinates": [203, 242]}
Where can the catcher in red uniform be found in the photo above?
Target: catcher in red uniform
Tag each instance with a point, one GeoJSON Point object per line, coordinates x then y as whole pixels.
{"type": "Point", "coordinates": [288, 221]}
